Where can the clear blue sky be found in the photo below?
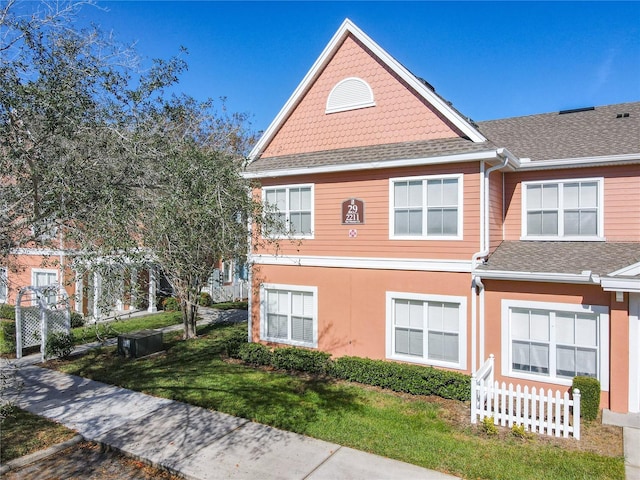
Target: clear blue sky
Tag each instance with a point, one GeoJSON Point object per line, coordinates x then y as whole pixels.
{"type": "Point", "coordinates": [491, 59]}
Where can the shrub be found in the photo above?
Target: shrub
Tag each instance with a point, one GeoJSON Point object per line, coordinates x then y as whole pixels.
{"type": "Point", "coordinates": [59, 344]}
{"type": "Point", "coordinates": [399, 377]}
{"type": "Point", "coordinates": [170, 304]}
{"type": "Point", "coordinates": [300, 359]}
{"type": "Point", "coordinates": [488, 426]}
{"type": "Point", "coordinates": [589, 396]}
{"type": "Point", "coordinates": [77, 320]}
{"type": "Point", "coordinates": [7, 311]}
{"type": "Point", "coordinates": [254, 354]}
{"type": "Point", "coordinates": [234, 342]}
{"type": "Point", "coordinates": [520, 431]}
{"type": "Point", "coordinates": [7, 336]}
{"type": "Point", "coordinates": [205, 300]}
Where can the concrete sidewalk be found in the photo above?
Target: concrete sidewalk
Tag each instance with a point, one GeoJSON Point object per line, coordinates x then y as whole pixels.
{"type": "Point", "coordinates": [194, 442]}
{"type": "Point", "coordinates": [191, 441]}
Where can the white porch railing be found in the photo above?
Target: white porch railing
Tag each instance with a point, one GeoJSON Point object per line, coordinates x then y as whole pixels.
{"type": "Point", "coordinates": [538, 411]}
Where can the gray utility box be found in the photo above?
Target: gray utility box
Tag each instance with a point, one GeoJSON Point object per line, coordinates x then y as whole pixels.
{"type": "Point", "coordinates": [140, 344]}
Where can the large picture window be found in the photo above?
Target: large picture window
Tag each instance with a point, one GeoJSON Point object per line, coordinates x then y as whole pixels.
{"type": "Point", "coordinates": [47, 282]}
{"type": "Point", "coordinates": [290, 209]}
{"type": "Point", "coordinates": [426, 329]}
{"type": "Point", "coordinates": [567, 209]}
{"type": "Point", "coordinates": [426, 207]}
{"type": "Point", "coordinates": [555, 341]}
{"type": "Point", "coordinates": [289, 314]}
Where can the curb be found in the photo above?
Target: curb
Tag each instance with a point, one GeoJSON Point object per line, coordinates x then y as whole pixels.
{"type": "Point", "coordinates": [39, 455]}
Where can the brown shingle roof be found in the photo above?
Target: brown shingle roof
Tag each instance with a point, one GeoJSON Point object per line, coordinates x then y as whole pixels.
{"type": "Point", "coordinates": [600, 258]}
{"type": "Point", "coordinates": [587, 133]}
{"type": "Point", "coordinates": [372, 153]}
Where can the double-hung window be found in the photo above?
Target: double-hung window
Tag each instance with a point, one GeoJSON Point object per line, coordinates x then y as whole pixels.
{"type": "Point", "coordinates": [4, 290]}
{"type": "Point", "coordinates": [426, 207]}
{"type": "Point", "coordinates": [289, 314]}
{"type": "Point", "coordinates": [554, 341]}
{"type": "Point", "coordinates": [427, 329]}
{"type": "Point", "coordinates": [289, 210]}
{"type": "Point", "coordinates": [47, 283]}
{"type": "Point", "coordinates": [567, 209]}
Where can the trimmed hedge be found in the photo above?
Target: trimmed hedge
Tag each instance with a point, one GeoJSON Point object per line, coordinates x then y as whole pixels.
{"type": "Point", "coordinates": [7, 336]}
{"type": "Point", "coordinates": [7, 311]}
{"type": "Point", "coordinates": [399, 377]}
{"type": "Point", "coordinates": [589, 396]}
{"type": "Point", "coordinates": [301, 360]}
{"type": "Point", "coordinates": [254, 354]}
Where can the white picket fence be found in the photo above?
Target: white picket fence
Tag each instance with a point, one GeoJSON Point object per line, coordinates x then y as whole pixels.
{"type": "Point", "coordinates": [549, 413]}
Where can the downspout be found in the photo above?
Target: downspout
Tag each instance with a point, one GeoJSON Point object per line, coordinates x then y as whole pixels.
{"type": "Point", "coordinates": [484, 251]}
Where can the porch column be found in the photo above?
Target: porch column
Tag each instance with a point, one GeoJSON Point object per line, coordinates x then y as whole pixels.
{"type": "Point", "coordinates": [152, 290]}
{"type": "Point", "coordinates": [97, 291]}
{"type": "Point", "coordinates": [77, 307]}
{"type": "Point", "coordinates": [619, 354]}
{"type": "Point", "coordinates": [133, 289]}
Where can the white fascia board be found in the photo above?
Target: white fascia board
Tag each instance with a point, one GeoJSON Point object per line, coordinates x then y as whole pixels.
{"type": "Point", "coordinates": [346, 28]}
{"type": "Point", "coordinates": [605, 160]}
{"type": "Point", "coordinates": [414, 264]}
{"type": "Point", "coordinates": [45, 252]}
{"type": "Point", "coordinates": [620, 284]}
{"type": "Point", "coordinates": [409, 162]}
{"type": "Point", "coordinates": [537, 276]}
{"type": "Point", "coordinates": [629, 271]}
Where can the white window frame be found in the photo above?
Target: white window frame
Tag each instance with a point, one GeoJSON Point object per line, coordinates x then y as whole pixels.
{"type": "Point", "coordinates": [227, 271]}
{"type": "Point", "coordinates": [287, 188]}
{"type": "Point", "coordinates": [552, 308]}
{"type": "Point", "coordinates": [425, 236]}
{"type": "Point", "coordinates": [4, 285]}
{"type": "Point", "coordinates": [561, 210]}
{"type": "Point", "coordinates": [264, 288]}
{"type": "Point", "coordinates": [35, 271]}
{"type": "Point", "coordinates": [461, 364]}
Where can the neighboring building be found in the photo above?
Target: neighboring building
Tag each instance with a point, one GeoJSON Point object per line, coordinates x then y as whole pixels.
{"type": "Point", "coordinates": [429, 239]}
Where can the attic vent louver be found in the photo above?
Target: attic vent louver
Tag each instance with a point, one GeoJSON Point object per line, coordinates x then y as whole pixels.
{"type": "Point", "coordinates": [576, 110]}
{"type": "Point", "coordinates": [349, 94]}
{"type": "Point", "coordinates": [622, 115]}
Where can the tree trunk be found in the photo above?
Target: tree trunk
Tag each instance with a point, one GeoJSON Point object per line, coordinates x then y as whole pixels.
{"type": "Point", "coordinates": [189, 316]}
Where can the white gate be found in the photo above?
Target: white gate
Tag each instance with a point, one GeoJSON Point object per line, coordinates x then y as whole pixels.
{"type": "Point", "coordinates": [36, 319]}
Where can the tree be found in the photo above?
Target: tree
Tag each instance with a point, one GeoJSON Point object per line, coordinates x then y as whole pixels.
{"type": "Point", "coordinates": [201, 205]}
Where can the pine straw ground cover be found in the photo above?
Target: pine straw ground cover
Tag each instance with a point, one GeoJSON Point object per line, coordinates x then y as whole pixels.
{"type": "Point", "coordinates": [426, 431]}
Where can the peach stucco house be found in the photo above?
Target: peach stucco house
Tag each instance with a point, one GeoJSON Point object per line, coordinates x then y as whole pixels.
{"type": "Point", "coordinates": [429, 239]}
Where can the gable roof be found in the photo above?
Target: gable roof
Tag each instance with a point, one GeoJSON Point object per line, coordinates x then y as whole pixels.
{"type": "Point", "coordinates": [584, 133]}
{"type": "Point", "coordinates": [420, 87]}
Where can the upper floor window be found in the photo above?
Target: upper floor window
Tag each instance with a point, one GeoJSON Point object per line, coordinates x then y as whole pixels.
{"type": "Point", "coordinates": [47, 282]}
{"type": "Point", "coordinates": [567, 209]}
{"type": "Point", "coordinates": [349, 94]}
{"type": "Point", "coordinates": [426, 207]}
{"type": "Point", "coordinates": [290, 210]}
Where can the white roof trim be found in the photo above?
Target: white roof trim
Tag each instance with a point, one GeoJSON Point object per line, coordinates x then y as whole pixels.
{"type": "Point", "coordinates": [487, 155]}
{"type": "Point", "coordinates": [627, 158]}
{"type": "Point", "coordinates": [346, 28]}
{"type": "Point", "coordinates": [621, 285]}
{"type": "Point", "coordinates": [584, 277]}
{"type": "Point", "coordinates": [629, 271]}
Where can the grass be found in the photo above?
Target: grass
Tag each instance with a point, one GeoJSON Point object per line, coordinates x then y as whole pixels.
{"type": "Point", "coordinates": [413, 429]}
{"type": "Point", "coordinates": [22, 433]}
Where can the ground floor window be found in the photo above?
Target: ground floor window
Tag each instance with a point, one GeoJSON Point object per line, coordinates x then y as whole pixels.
{"type": "Point", "coordinates": [428, 329]}
{"type": "Point", "coordinates": [289, 314]}
{"type": "Point", "coordinates": [47, 282]}
{"type": "Point", "coordinates": [555, 341]}
{"type": "Point", "coordinates": [3, 285]}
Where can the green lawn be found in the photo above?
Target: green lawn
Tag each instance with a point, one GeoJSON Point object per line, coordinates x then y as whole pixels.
{"type": "Point", "coordinates": [406, 428]}
{"type": "Point", "coordinates": [22, 433]}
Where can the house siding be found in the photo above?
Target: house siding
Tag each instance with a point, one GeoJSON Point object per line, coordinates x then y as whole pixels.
{"type": "Point", "coordinates": [621, 202]}
{"type": "Point", "coordinates": [399, 114]}
{"type": "Point", "coordinates": [497, 291]}
{"type": "Point", "coordinates": [351, 302]}
{"type": "Point", "coordinates": [372, 240]}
